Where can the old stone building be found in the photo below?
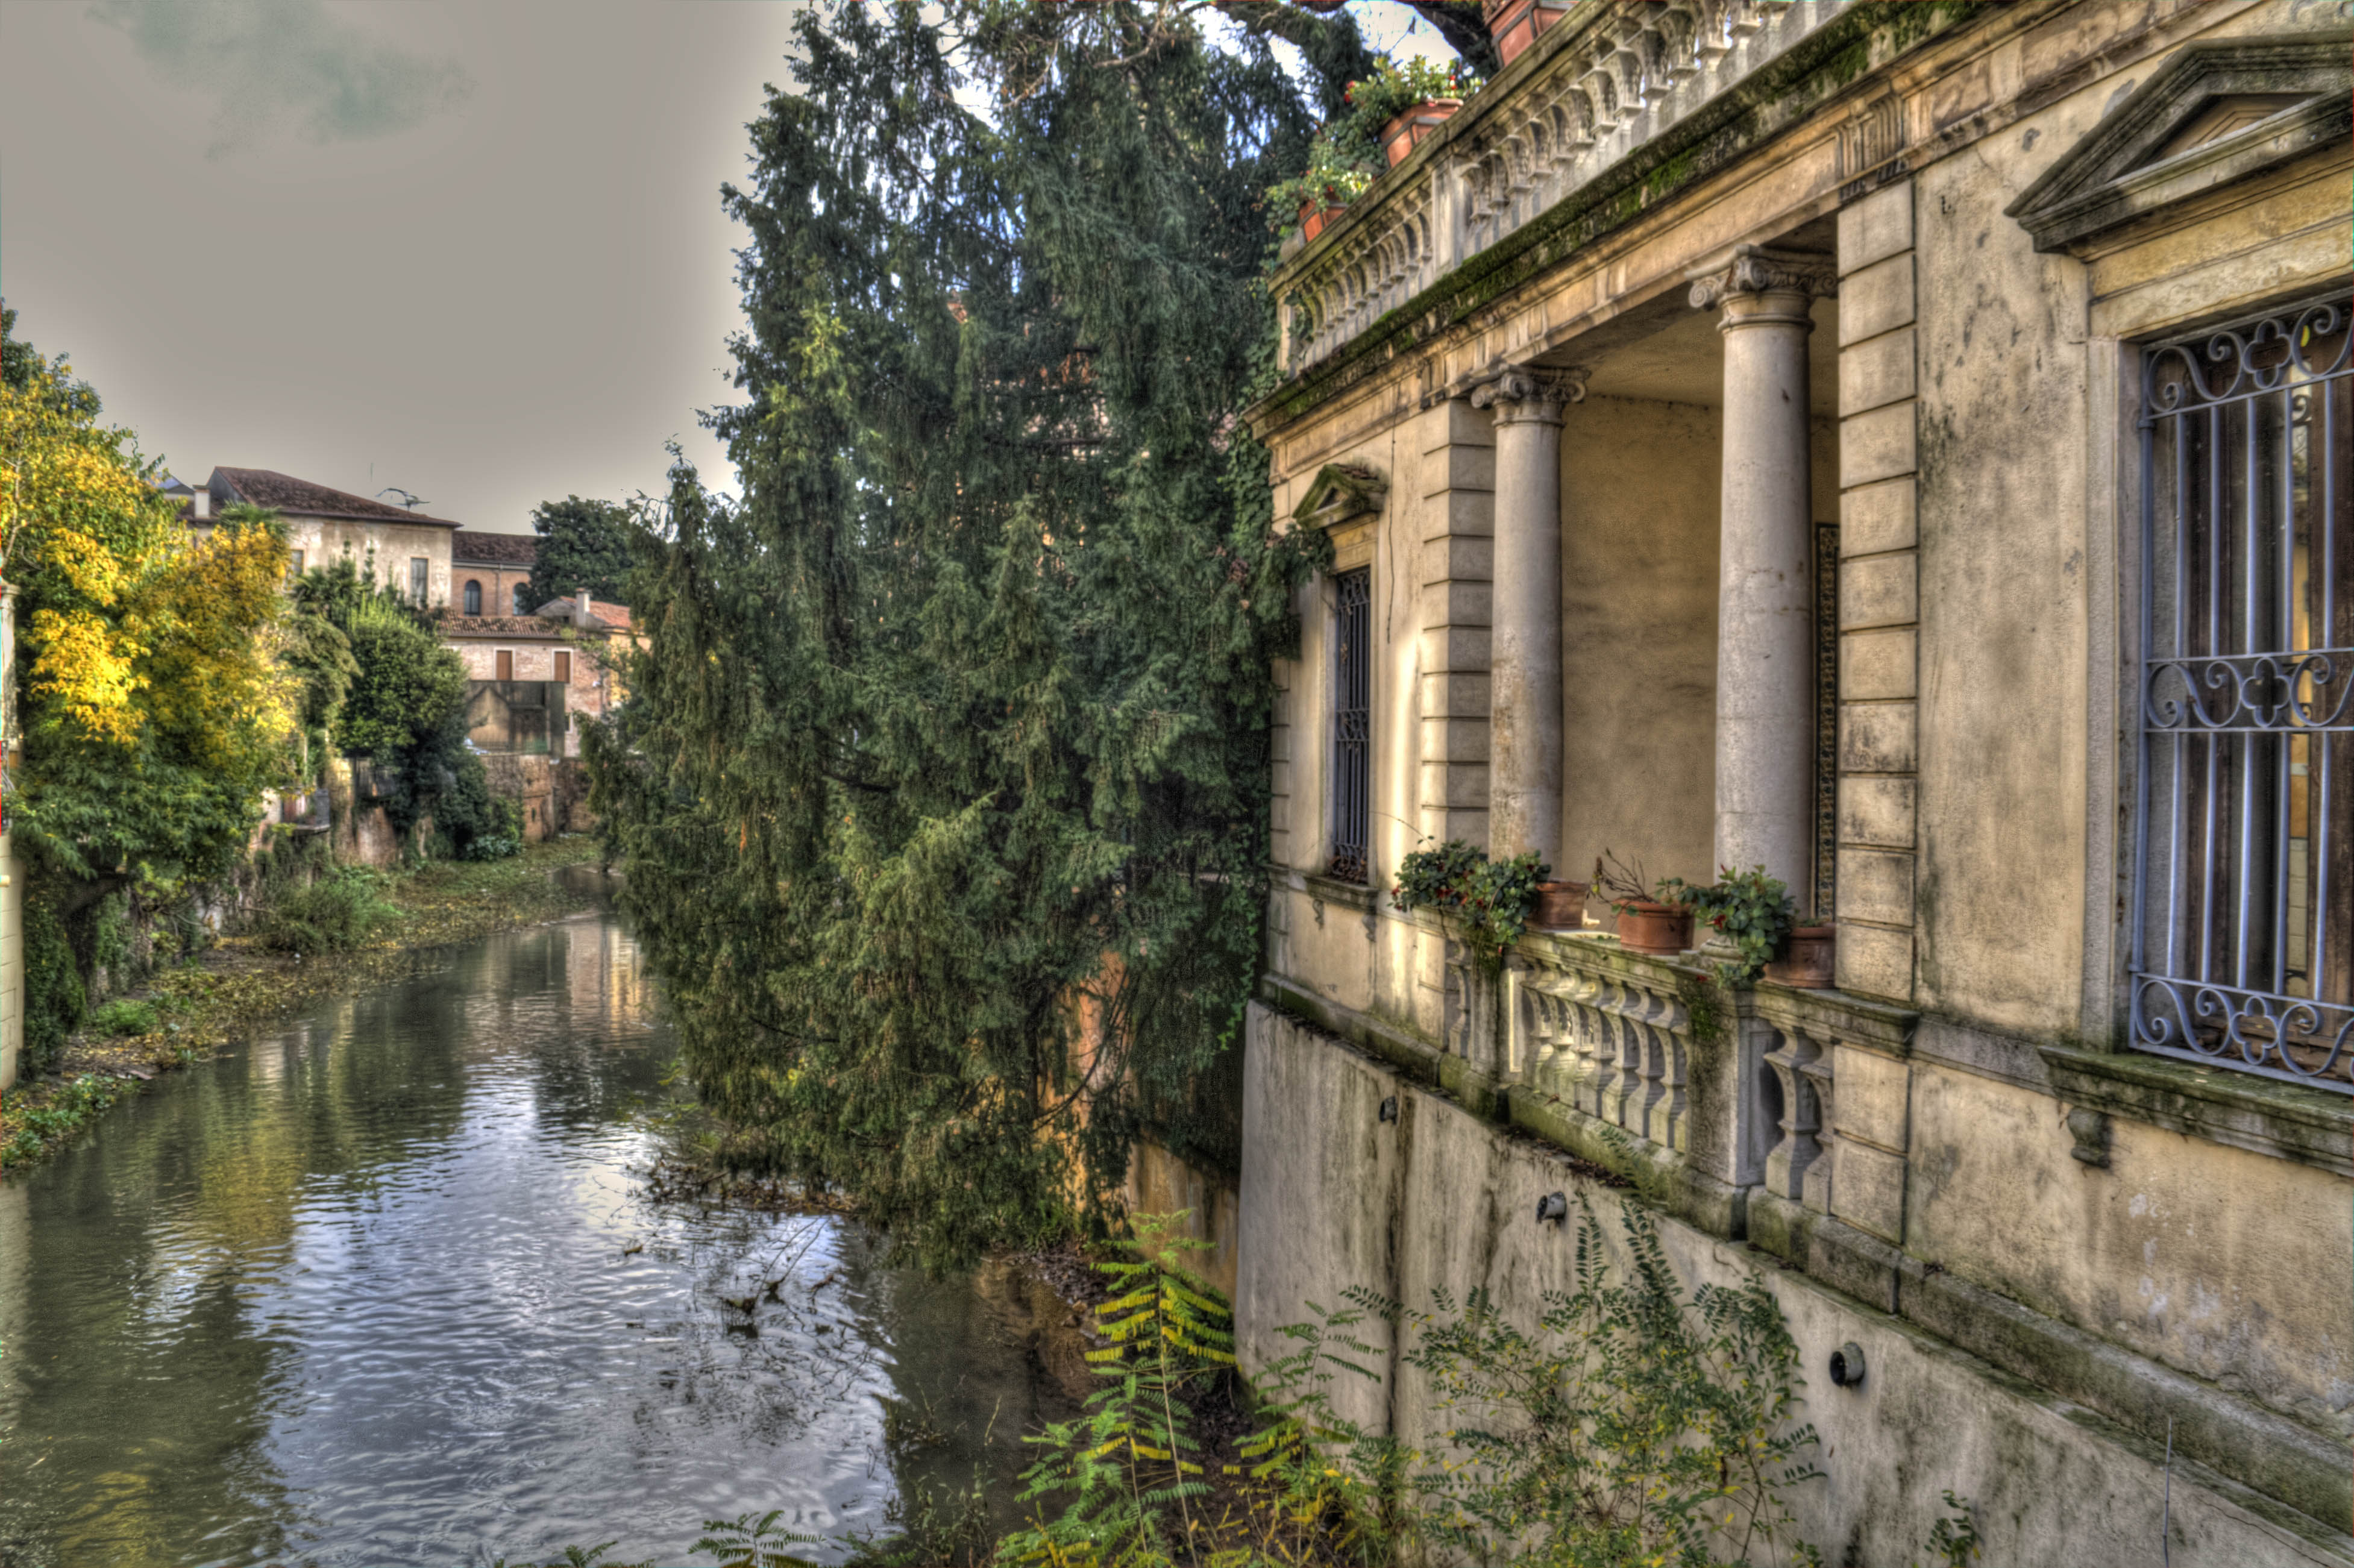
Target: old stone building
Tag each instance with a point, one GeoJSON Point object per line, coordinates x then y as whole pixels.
{"type": "Point", "coordinates": [491, 573]}
{"type": "Point", "coordinates": [530, 676]}
{"type": "Point", "coordinates": [408, 550]}
{"type": "Point", "coordinates": [1905, 447]}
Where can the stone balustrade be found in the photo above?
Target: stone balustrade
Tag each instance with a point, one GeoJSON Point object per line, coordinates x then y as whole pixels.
{"type": "Point", "coordinates": [1649, 1063]}
{"type": "Point", "coordinates": [1606, 79]}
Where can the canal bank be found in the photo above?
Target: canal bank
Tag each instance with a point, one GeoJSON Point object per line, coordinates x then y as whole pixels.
{"type": "Point", "coordinates": [184, 1014]}
{"type": "Point", "coordinates": [385, 1284]}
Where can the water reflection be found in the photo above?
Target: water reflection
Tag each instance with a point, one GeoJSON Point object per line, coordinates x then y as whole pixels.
{"type": "Point", "coordinates": [381, 1288]}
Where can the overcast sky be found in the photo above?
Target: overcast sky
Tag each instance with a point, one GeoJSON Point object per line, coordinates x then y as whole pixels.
{"type": "Point", "coordinates": [471, 249]}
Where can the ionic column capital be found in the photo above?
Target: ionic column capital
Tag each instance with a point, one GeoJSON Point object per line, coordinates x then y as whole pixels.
{"type": "Point", "coordinates": [1755, 271]}
{"type": "Point", "coordinates": [1525, 394]}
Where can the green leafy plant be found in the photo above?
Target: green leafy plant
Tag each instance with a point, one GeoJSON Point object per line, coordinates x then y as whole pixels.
{"type": "Point", "coordinates": [1486, 903]}
{"type": "Point", "coordinates": [1335, 176]}
{"type": "Point", "coordinates": [1634, 1424]}
{"type": "Point", "coordinates": [72, 1105]}
{"type": "Point", "coordinates": [1129, 1471]}
{"type": "Point", "coordinates": [1345, 157]}
{"type": "Point", "coordinates": [1955, 1538]}
{"type": "Point", "coordinates": [1750, 907]}
{"type": "Point", "coordinates": [748, 1541]}
{"type": "Point", "coordinates": [1399, 85]}
{"type": "Point", "coordinates": [126, 1018]}
{"type": "Point", "coordinates": [333, 915]}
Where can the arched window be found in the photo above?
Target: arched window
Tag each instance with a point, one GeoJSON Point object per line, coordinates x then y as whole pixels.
{"type": "Point", "coordinates": [523, 599]}
{"type": "Point", "coordinates": [473, 599]}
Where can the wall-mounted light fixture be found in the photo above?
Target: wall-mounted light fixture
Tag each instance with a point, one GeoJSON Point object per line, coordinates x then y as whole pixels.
{"type": "Point", "coordinates": [1847, 1365]}
{"type": "Point", "coordinates": [1553, 1209]}
{"type": "Point", "coordinates": [1389, 1109]}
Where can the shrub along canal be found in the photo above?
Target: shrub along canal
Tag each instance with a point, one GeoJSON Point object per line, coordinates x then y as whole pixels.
{"type": "Point", "coordinates": [384, 1287]}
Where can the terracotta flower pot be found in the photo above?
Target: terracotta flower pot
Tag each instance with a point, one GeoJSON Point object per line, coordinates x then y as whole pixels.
{"type": "Point", "coordinates": [1312, 217]}
{"type": "Point", "coordinates": [1805, 959]}
{"type": "Point", "coordinates": [1516, 24]}
{"type": "Point", "coordinates": [1661, 930]}
{"type": "Point", "coordinates": [1406, 132]}
{"type": "Point", "coordinates": [1560, 907]}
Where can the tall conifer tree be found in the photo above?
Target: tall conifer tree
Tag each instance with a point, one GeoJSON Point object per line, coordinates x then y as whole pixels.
{"type": "Point", "coordinates": [946, 763]}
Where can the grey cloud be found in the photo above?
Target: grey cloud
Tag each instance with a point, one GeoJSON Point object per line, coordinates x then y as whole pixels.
{"type": "Point", "coordinates": [270, 61]}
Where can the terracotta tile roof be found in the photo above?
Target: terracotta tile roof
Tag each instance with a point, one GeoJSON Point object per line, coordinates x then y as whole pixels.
{"type": "Point", "coordinates": [614, 617]}
{"type": "Point", "coordinates": [267, 487]}
{"type": "Point", "coordinates": [512, 551]}
{"type": "Point", "coordinates": [500, 626]}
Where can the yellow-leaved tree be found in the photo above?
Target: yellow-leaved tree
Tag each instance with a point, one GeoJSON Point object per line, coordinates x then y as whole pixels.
{"type": "Point", "coordinates": [152, 704]}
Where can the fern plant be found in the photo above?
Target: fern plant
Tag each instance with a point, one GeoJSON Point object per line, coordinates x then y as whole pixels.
{"type": "Point", "coordinates": [1128, 1472]}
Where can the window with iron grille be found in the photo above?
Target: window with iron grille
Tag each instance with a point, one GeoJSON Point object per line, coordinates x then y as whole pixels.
{"type": "Point", "coordinates": [1353, 722]}
{"type": "Point", "coordinates": [2243, 862]}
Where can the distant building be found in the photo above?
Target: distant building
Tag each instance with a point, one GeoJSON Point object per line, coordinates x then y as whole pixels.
{"type": "Point", "coordinates": [530, 674]}
{"type": "Point", "coordinates": [408, 549]}
{"type": "Point", "coordinates": [491, 573]}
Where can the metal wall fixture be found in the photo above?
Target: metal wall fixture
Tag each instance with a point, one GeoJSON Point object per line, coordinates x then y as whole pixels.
{"type": "Point", "coordinates": [1389, 1109]}
{"type": "Point", "coordinates": [2243, 864]}
{"type": "Point", "coordinates": [1553, 1209]}
{"type": "Point", "coordinates": [1847, 1365]}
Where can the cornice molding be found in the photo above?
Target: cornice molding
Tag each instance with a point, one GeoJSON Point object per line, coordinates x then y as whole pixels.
{"type": "Point", "coordinates": [2121, 170]}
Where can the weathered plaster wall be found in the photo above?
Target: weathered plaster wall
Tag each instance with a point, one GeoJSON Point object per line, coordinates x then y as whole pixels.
{"type": "Point", "coordinates": [2228, 1265]}
{"type": "Point", "coordinates": [2001, 428]}
{"type": "Point", "coordinates": [1438, 1198]}
{"type": "Point", "coordinates": [1639, 532]}
{"type": "Point", "coordinates": [323, 540]}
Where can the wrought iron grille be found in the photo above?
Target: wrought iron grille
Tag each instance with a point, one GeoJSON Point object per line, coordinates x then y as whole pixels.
{"type": "Point", "coordinates": [2243, 861]}
{"type": "Point", "coordinates": [1353, 722]}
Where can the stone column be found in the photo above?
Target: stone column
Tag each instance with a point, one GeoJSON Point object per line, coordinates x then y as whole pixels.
{"type": "Point", "coordinates": [1765, 618]}
{"type": "Point", "coordinates": [1524, 615]}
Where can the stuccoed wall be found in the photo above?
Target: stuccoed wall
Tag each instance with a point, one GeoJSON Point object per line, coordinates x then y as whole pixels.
{"type": "Point", "coordinates": [2003, 588]}
{"type": "Point", "coordinates": [1639, 527]}
{"type": "Point", "coordinates": [324, 540]}
{"type": "Point", "coordinates": [1441, 1198]}
{"type": "Point", "coordinates": [2228, 1265]}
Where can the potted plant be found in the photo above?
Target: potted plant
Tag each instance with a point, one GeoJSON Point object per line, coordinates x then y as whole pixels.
{"type": "Point", "coordinates": [1322, 192]}
{"type": "Point", "coordinates": [1485, 902]}
{"type": "Point", "coordinates": [1385, 115]}
{"type": "Point", "coordinates": [1660, 925]}
{"type": "Point", "coordinates": [1753, 910]}
{"type": "Point", "coordinates": [1403, 103]}
{"type": "Point", "coordinates": [1560, 906]}
{"type": "Point", "coordinates": [1806, 958]}
{"type": "Point", "coordinates": [1516, 24]}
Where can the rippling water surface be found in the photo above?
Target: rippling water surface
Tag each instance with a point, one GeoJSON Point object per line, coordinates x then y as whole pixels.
{"type": "Point", "coordinates": [382, 1288]}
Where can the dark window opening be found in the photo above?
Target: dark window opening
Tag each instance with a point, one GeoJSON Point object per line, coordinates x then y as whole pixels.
{"type": "Point", "coordinates": [1353, 715]}
{"type": "Point", "coordinates": [473, 599]}
{"type": "Point", "coordinates": [2244, 855]}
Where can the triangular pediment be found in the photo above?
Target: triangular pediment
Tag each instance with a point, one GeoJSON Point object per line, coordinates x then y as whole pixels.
{"type": "Point", "coordinates": [2215, 114]}
{"type": "Point", "coordinates": [1340, 492]}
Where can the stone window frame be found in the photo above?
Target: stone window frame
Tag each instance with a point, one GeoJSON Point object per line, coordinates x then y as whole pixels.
{"type": "Point", "coordinates": [2095, 1070]}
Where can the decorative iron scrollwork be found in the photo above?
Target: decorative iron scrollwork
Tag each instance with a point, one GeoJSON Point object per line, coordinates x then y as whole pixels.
{"type": "Point", "coordinates": [2246, 359]}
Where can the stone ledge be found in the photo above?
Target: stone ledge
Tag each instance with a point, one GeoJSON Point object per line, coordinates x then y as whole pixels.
{"type": "Point", "coordinates": [2295, 1478]}
{"type": "Point", "coordinates": [2278, 1458]}
{"type": "Point", "coordinates": [2264, 1116]}
{"type": "Point", "coordinates": [1332, 890]}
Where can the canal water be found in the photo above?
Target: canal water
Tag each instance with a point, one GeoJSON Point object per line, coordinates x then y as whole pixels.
{"type": "Point", "coordinates": [385, 1288]}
